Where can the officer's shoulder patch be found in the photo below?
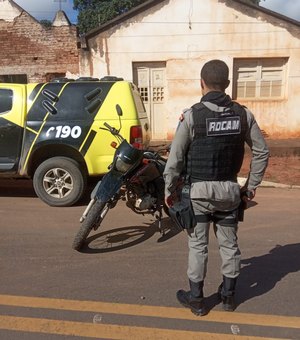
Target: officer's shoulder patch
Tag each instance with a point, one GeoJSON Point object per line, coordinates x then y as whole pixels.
{"type": "Point", "coordinates": [185, 114]}
{"type": "Point", "coordinates": [181, 117]}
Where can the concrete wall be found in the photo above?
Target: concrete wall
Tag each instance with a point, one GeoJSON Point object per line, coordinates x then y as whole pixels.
{"type": "Point", "coordinates": [29, 48]}
{"type": "Point", "coordinates": [185, 34]}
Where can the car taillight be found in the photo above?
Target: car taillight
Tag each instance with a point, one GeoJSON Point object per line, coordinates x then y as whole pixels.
{"type": "Point", "coordinates": [136, 136]}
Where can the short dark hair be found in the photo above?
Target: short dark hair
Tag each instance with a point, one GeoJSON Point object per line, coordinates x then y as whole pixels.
{"type": "Point", "coordinates": [215, 74]}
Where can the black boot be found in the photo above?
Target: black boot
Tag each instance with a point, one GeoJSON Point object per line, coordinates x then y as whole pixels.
{"type": "Point", "coordinates": [193, 299]}
{"type": "Point", "coordinates": [226, 292]}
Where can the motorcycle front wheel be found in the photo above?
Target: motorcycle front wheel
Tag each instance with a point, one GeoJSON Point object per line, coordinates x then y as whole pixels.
{"type": "Point", "coordinates": [92, 220]}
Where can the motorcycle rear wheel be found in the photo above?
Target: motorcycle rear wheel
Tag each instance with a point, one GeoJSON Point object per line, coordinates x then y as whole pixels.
{"type": "Point", "coordinates": [92, 220]}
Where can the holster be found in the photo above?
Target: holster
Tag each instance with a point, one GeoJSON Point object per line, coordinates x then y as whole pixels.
{"type": "Point", "coordinates": [243, 205]}
{"type": "Point", "coordinates": [241, 210]}
{"type": "Point", "coordinates": [182, 212]}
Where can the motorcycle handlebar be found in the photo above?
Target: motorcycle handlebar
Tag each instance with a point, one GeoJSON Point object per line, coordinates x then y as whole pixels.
{"type": "Point", "coordinates": [110, 128]}
{"type": "Point", "coordinates": [113, 131]}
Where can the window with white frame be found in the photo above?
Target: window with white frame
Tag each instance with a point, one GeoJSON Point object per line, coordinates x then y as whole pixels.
{"type": "Point", "coordinates": [263, 78]}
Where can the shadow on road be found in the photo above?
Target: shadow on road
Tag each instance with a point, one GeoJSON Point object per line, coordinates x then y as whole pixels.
{"type": "Point", "coordinates": [24, 188]}
{"type": "Point", "coordinates": [16, 188]}
{"type": "Point", "coordinates": [121, 238]}
{"type": "Point", "coordinates": [260, 274]}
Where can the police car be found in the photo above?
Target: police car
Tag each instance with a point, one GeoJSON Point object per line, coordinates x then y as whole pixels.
{"type": "Point", "coordinates": [50, 132]}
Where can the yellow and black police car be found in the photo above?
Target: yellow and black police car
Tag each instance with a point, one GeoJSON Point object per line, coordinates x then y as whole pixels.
{"type": "Point", "coordinates": [50, 132]}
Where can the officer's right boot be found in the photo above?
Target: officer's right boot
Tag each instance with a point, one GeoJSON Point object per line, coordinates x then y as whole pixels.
{"type": "Point", "coordinates": [193, 299]}
{"type": "Point", "coordinates": [226, 292]}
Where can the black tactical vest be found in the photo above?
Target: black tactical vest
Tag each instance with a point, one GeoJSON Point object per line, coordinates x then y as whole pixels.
{"type": "Point", "coordinates": [217, 150]}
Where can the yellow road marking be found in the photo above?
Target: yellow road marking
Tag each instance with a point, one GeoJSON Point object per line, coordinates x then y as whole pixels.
{"type": "Point", "coordinates": [83, 329]}
{"type": "Point", "coordinates": [150, 311]}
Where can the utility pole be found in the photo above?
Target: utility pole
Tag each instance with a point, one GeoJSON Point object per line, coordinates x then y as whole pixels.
{"type": "Point", "coordinates": [60, 2]}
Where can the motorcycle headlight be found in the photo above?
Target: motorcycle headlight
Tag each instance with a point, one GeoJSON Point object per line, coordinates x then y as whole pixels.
{"type": "Point", "coordinates": [122, 166]}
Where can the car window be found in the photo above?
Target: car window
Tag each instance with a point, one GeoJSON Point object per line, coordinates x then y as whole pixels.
{"type": "Point", "coordinates": [80, 100]}
{"type": "Point", "coordinates": [6, 100]}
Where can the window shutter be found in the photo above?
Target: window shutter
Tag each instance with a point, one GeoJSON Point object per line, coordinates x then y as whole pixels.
{"type": "Point", "coordinates": [259, 78]}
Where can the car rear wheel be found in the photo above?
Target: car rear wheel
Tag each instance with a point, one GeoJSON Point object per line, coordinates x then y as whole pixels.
{"type": "Point", "coordinates": [59, 182]}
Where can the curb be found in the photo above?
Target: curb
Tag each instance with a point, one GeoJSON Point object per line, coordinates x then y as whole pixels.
{"type": "Point", "coordinates": [266, 184]}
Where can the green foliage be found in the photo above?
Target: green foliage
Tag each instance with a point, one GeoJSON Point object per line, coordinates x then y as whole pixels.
{"type": "Point", "coordinates": [46, 23]}
{"type": "Point", "coordinates": [93, 13]}
{"type": "Point", "coordinates": [255, 2]}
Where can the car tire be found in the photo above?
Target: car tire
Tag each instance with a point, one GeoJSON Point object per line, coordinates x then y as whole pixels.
{"type": "Point", "coordinates": [59, 182]}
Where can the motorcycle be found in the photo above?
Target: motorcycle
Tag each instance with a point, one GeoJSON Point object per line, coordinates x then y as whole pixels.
{"type": "Point", "coordinates": [135, 176]}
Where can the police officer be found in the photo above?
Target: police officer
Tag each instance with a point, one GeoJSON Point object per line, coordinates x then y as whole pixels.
{"type": "Point", "coordinates": [209, 148]}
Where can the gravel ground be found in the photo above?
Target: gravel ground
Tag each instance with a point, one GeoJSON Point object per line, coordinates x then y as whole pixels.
{"type": "Point", "coordinates": [284, 170]}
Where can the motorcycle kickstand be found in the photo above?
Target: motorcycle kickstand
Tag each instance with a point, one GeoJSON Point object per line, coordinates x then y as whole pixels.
{"type": "Point", "coordinates": [159, 218]}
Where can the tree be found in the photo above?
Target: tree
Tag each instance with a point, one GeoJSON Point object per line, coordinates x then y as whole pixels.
{"type": "Point", "coordinates": [93, 13]}
{"type": "Point", "coordinates": [255, 2]}
{"type": "Point", "coordinates": [46, 23]}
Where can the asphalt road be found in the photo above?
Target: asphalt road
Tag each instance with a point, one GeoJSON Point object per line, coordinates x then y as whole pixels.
{"type": "Point", "coordinates": [123, 284]}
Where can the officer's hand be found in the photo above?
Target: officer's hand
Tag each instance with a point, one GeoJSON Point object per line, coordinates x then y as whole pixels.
{"type": "Point", "coordinates": [170, 200]}
{"type": "Point", "coordinates": [248, 195]}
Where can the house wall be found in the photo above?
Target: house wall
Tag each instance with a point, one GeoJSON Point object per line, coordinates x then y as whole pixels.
{"type": "Point", "coordinates": [29, 48]}
{"type": "Point", "coordinates": [186, 34]}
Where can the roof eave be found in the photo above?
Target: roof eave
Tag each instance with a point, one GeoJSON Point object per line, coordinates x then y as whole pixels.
{"type": "Point", "coordinates": [270, 12]}
{"type": "Point", "coordinates": [150, 3]}
{"type": "Point", "coordinates": [121, 18]}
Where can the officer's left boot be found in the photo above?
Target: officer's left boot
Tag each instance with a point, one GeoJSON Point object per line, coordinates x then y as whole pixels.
{"type": "Point", "coordinates": [226, 293]}
{"type": "Point", "coordinates": [193, 299]}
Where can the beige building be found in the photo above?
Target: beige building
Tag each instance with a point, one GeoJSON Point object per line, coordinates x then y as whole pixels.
{"type": "Point", "coordinates": [162, 44]}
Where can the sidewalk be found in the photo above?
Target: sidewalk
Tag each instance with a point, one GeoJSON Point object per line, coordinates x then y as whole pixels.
{"type": "Point", "coordinates": [283, 163]}
{"type": "Point", "coordinates": [286, 150]}
{"type": "Point", "coordinates": [284, 147]}
{"type": "Point", "coordinates": [266, 184]}
{"type": "Point", "coordinates": [278, 147]}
